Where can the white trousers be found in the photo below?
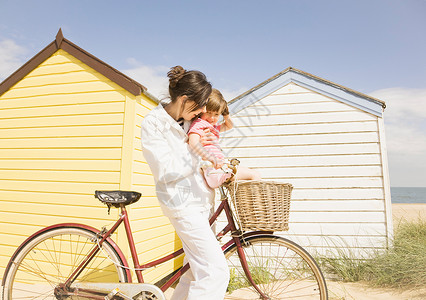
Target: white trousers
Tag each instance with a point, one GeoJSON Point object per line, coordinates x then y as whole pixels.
{"type": "Point", "coordinates": [208, 276]}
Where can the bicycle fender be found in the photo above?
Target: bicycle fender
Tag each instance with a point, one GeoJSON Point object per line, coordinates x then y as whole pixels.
{"type": "Point", "coordinates": [246, 235]}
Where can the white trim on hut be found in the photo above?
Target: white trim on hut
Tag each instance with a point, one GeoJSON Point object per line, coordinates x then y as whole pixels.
{"type": "Point", "coordinates": [328, 141]}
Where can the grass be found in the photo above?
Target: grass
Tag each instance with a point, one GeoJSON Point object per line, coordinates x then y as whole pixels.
{"type": "Point", "coordinates": [259, 274]}
{"type": "Point", "coordinates": [401, 266]}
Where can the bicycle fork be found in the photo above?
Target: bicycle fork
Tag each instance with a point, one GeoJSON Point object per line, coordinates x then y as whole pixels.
{"type": "Point", "coordinates": [240, 248]}
{"type": "Point", "coordinates": [244, 264]}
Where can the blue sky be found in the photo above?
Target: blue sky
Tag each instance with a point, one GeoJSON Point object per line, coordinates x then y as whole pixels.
{"type": "Point", "coordinates": [376, 47]}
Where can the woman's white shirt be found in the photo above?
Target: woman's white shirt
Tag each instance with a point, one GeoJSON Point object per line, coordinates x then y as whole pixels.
{"type": "Point", "coordinates": [180, 187]}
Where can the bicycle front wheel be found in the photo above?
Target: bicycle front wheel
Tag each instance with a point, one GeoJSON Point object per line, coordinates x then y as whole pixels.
{"type": "Point", "coordinates": [280, 268]}
{"type": "Point", "coordinates": [50, 257]}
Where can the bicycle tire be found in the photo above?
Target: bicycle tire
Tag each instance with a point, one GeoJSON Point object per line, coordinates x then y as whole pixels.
{"type": "Point", "coordinates": [279, 267]}
{"type": "Point", "coordinates": [49, 257]}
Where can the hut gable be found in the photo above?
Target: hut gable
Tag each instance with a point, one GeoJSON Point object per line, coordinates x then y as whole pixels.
{"type": "Point", "coordinates": [311, 82]}
{"type": "Point", "coordinates": [88, 59]}
{"type": "Point", "coordinates": [328, 141]}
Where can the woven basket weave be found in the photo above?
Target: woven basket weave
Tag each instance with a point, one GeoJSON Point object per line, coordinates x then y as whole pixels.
{"type": "Point", "coordinates": [261, 205]}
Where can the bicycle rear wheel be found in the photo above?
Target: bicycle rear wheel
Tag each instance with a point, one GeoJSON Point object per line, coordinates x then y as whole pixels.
{"type": "Point", "coordinates": [279, 267]}
{"type": "Point", "coordinates": [50, 257]}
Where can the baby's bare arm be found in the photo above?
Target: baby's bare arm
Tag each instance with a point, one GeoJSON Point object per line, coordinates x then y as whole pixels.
{"type": "Point", "coordinates": [227, 123]}
{"type": "Point", "coordinates": [195, 145]}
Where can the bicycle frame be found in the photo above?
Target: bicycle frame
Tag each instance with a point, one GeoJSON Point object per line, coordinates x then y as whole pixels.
{"type": "Point", "coordinates": [230, 227]}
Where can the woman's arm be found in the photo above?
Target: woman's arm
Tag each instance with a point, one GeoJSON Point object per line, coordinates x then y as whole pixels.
{"type": "Point", "coordinates": [165, 163]}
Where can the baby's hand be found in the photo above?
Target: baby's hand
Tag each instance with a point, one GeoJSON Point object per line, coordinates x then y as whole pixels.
{"type": "Point", "coordinates": [225, 111]}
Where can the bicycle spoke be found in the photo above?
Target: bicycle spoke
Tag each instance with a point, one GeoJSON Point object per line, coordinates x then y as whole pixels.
{"type": "Point", "coordinates": [279, 268]}
{"type": "Point", "coordinates": [36, 272]}
{"type": "Point", "coordinates": [45, 295]}
{"type": "Point", "coordinates": [50, 257]}
{"type": "Point", "coordinates": [50, 261]}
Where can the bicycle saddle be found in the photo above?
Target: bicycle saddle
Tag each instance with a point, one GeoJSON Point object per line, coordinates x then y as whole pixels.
{"type": "Point", "coordinates": [115, 198]}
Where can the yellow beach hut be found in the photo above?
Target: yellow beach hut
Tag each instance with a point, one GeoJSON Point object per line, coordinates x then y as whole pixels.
{"type": "Point", "coordinates": [70, 125]}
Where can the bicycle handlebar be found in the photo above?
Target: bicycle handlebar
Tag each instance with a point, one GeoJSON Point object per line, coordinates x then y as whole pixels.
{"type": "Point", "coordinates": [233, 163]}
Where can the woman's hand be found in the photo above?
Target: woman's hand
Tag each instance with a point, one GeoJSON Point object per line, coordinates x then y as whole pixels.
{"type": "Point", "coordinates": [207, 138]}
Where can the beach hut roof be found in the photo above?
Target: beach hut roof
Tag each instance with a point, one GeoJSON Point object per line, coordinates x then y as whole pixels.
{"type": "Point", "coordinates": [312, 82]}
{"type": "Point", "coordinates": [60, 42]}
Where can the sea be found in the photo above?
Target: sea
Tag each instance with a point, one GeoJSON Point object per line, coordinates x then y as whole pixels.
{"type": "Point", "coordinates": [408, 194]}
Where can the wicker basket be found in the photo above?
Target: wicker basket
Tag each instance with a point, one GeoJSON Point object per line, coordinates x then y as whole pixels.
{"type": "Point", "coordinates": [261, 205]}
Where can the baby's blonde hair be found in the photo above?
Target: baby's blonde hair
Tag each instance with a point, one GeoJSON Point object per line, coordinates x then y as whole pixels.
{"type": "Point", "coordinates": [216, 102]}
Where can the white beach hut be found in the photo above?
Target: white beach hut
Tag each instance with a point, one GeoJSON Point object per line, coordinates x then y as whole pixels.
{"type": "Point", "coordinates": [329, 142]}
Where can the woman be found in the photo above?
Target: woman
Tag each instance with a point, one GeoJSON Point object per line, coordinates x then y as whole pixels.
{"type": "Point", "coordinates": [184, 197]}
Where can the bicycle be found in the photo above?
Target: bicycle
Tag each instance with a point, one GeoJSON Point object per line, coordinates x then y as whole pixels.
{"type": "Point", "coordinates": [72, 260]}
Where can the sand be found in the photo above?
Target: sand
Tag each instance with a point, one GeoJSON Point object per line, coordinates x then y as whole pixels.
{"type": "Point", "coordinates": [361, 291]}
{"type": "Point", "coordinates": [408, 212]}
{"type": "Point", "coordinates": [358, 291]}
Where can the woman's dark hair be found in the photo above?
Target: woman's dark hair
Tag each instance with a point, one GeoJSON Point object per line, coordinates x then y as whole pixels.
{"type": "Point", "coordinates": [193, 84]}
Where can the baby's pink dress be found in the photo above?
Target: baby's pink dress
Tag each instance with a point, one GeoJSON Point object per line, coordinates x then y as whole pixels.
{"type": "Point", "coordinates": [214, 177]}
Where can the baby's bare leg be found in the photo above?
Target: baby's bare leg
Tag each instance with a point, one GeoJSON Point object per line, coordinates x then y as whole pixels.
{"type": "Point", "coordinates": [244, 173]}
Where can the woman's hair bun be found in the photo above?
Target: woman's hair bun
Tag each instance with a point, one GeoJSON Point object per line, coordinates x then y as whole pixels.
{"type": "Point", "coordinates": [175, 74]}
{"type": "Point", "coordinates": [192, 84]}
